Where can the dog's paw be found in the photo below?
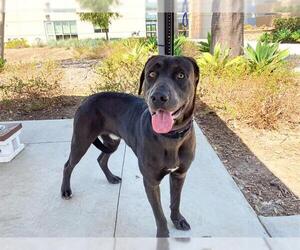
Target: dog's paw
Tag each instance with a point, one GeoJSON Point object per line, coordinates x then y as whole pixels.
{"type": "Point", "coordinates": [162, 234]}
{"type": "Point", "coordinates": [114, 179]}
{"type": "Point", "coordinates": [180, 223]}
{"type": "Point", "coordinates": [66, 194]}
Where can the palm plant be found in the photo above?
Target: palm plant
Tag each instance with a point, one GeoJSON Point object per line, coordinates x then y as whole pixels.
{"type": "Point", "coordinates": [265, 56]}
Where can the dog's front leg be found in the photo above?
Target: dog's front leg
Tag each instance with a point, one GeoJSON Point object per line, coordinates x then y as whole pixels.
{"type": "Point", "coordinates": [176, 184]}
{"type": "Point", "coordinates": [153, 194]}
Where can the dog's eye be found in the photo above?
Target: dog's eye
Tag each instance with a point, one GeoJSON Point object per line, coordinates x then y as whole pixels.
{"type": "Point", "coordinates": [152, 74]}
{"type": "Point", "coordinates": [180, 75]}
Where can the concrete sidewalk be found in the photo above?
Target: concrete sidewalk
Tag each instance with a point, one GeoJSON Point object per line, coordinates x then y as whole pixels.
{"type": "Point", "coordinates": [149, 244]}
{"type": "Point", "coordinates": [31, 205]}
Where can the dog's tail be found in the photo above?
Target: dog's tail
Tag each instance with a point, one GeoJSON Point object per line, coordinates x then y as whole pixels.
{"type": "Point", "coordinates": [98, 144]}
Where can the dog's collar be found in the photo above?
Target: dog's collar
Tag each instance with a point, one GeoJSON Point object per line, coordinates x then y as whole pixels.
{"type": "Point", "coordinates": [179, 133]}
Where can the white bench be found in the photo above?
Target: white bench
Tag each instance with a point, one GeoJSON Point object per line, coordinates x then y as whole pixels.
{"type": "Point", "coordinates": [10, 144]}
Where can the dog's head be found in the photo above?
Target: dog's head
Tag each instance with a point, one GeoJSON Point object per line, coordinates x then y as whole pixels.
{"type": "Point", "coordinates": [169, 84]}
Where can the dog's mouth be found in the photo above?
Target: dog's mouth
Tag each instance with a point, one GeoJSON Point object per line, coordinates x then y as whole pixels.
{"type": "Point", "coordinates": [163, 120]}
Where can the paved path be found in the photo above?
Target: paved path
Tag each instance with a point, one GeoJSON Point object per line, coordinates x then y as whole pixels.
{"type": "Point", "coordinates": [150, 244]}
{"type": "Point", "coordinates": [31, 204]}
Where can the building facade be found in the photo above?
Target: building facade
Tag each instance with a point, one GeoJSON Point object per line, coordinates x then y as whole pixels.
{"type": "Point", "coordinates": [44, 20]}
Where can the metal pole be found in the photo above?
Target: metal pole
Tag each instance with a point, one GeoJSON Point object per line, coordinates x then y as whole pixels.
{"type": "Point", "coordinates": [166, 26]}
{"type": "Point", "coordinates": [2, 21]}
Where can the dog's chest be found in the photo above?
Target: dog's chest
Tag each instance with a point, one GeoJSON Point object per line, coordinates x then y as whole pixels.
{"type": "Point", "coordinates": [164, 157]}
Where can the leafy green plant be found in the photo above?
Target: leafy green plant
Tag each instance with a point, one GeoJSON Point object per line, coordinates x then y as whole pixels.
{"type": "Point", "coordinates": [17, 44]}
{"type": "Point", "coordinates": [205, 46]}
{"type": "Point", "coordinates": [219, 61]}
{"type": "Point", "coordinates": [292, 23]}
{"type": "Point", "coordinates": [2, 64]}
{"type": "Point", "coordinates": [178, 45]}
{"type": "Point", "coordinates": [283, 35]}
{"type": "Point", "coordinates": [286, 30]}
{"type": "Point", "coordinates": [100, 20]}
{"type": "Point", "coordinates": [121, 70]}
{"type": "Point", "coordinates": [265, 57]}
{"type": "Point", "coordinates": [296, 35]}
{"type": "Point", "coordinates": [151, 43]}
{"type": "Point", "coordinates": [266, 37]}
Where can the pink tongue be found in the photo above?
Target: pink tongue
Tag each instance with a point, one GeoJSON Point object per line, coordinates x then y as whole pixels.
{"type": "Point", "coordinates": [162, 122]}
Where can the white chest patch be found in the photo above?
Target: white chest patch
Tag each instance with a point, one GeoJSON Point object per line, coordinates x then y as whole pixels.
{"type": "Point", "coordinates": [173, 169]}
{"type": "Point", "coordinates": [114, 137]}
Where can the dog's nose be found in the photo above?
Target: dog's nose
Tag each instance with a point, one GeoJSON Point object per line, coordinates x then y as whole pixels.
{"type": "Point", "coordinates": [159, 98]}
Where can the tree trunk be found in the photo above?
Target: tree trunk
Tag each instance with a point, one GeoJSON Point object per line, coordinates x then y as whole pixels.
{"type": "Point", "coordinates": [2, 19]}
{"type": "Point", "coordinates": [106, 35]}
{"type": "Point", "coordinates": [227, 27]}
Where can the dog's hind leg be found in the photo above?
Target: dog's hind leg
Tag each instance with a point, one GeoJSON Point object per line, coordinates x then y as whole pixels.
{"type": "Point", "coordinates": [103, 159]}
{"type": "Point", "coordinates": [80, 144]}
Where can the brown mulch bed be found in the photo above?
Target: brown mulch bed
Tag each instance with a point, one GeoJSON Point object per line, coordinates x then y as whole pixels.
{"type": "Point", "coordinates": [267, 195]}
{"type": "Point", "coordinates": [62, 107]}
{"type": "Point", "coordinates": [265, 192]}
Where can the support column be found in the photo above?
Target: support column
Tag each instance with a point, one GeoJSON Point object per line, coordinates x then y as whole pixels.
{"type": "Point", "coordinates": [166, 26]}
{"type": "Point", "coordinates": [2, 25]}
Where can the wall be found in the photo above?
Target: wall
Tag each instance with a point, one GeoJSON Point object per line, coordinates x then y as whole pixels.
{"type": "Point", "coordinates": [25, 19]}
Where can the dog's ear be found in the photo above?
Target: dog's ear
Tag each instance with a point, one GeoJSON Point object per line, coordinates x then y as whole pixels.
{"type": "Point", "coordinates": [142, 78]}
{"type": "Point", "coordinates": [196, 69]}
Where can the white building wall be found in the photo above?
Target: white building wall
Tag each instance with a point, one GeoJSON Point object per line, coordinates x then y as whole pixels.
{"type": "Point", "coordinates": [25, 19]}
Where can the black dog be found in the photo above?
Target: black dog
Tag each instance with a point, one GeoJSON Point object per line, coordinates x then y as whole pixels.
{"type": "Point", "coordinates": [159, 130]}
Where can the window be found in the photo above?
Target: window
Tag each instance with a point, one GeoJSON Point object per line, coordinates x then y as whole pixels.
{"type": "Point", "coordinates": [61, 30]}
{"type": "Point", "coordinates": [151, 28]}
{"type": "Point", "coordinates": [98, 29]}
{"type": "Point", "coordinates": [151, 24]}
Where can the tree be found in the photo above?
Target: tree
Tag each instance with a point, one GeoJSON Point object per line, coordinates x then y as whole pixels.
{"type": "Point", "coordinates": [227, 27]}
{"type": "Point", "coordinates": [2, 19]}
{"type": "Point", "coordinates": [97, 5]}
{"type": "Point", "coordinates": [101, 20]}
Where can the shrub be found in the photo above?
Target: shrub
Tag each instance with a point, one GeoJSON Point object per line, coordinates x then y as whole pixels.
{"type": "Point", "coordinates": [17, 44]}
{"type": "Point", "coordinates": [91, 52]}
{"type": "Point", "coordinates": [191, 49]}
{"type": "Point", "coordinates": [266, 37]}
{"type": "Point", "coordinates": [265, 57]}
{"type": "Point", "coordinates": [205, 46]}
{"type": "Point", "coordinates": [218, 62]}
{"type": "Point", "coordinates": [261, 100]}
{"type": "Point", "coordinates": [292, 23]}
{"type": "Point", "coordinates": [121, 70]}
{"type": "Point", "coordinates": [286, 30]}
{"type": "Point", "coordinates": [296, 35]}
{"type": "Point", "coordinates": [83, 49]}
{"type": "Point", "coordinates": [30, 84]}
{"type": "Point", "coordinates": [259, 89]}
{"type": "Point", "coordinates": [151, 43]}
{"type": "Point", "coordinates": [2, 64]}
{"type": "Point", "coordinates": [179, 44]}
{"type": "Point", "coordinates": [281, 36]}
{"type": "Point", "coordinates": [76, 43]}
